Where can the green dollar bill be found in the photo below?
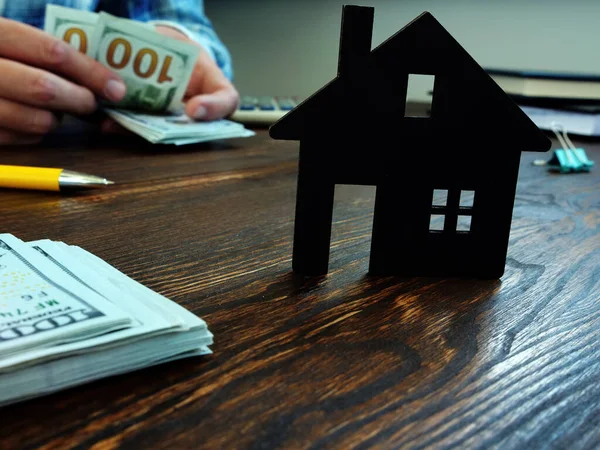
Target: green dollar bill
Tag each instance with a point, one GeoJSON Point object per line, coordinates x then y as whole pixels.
{"type": "Point", "coordinates": [155, 68]}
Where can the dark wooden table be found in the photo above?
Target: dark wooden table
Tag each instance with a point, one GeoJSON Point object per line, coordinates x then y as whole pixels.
{"type": "Point", "coordinates": [339, 362]}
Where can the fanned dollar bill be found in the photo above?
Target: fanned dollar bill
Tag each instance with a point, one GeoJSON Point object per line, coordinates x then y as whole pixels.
{"type": "Point", "coordinates": [160, 330]}
{"type": "Point", "coordinates": [156, 70]}
{"type": "Point", "coordinates": [72, 25]}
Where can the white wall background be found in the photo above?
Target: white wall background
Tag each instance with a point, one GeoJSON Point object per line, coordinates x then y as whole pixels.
{"type": "Point", "coordinates": [289, 47]}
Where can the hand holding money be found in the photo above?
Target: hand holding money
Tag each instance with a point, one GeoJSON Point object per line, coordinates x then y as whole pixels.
{"type": "Point", "coordinates": [42, 75]}
{"type": "Point", "coordinates": [159, 68]}
{"type": "Point", "coordinates": [164, 71]}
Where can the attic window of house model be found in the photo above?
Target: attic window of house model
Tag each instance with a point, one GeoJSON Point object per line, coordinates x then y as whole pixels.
{"type": "Point", "coordinates": [417, 84]}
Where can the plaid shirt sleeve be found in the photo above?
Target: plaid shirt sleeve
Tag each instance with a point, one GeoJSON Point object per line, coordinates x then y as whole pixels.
{"type": "Point", "coordinates": [186, 16]}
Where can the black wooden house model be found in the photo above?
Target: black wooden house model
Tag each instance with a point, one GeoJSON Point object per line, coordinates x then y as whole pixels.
{"type": "Point", "coordinates": [445, 183]}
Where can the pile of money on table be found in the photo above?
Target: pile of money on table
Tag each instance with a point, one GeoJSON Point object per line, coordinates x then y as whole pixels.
{"type": "Point", "coordinates": [155, 68]}
{"type": "Point", "coordinates": [67, 317]}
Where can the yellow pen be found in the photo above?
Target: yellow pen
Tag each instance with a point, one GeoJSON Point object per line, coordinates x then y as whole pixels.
{"type": "Point", "coordinates": [48, 179]}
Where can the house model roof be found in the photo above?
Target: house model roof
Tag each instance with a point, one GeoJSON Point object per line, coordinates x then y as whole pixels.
{"type": "Point", "coordinates": [372, 84]}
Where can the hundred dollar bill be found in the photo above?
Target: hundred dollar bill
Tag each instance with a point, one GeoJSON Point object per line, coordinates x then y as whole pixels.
{"type": "Point", "coordinates": [40, 307]}
{"type": "Point", "coordinates": [73, 26]}
{"type": "Point", "coordinates": [156, 68]}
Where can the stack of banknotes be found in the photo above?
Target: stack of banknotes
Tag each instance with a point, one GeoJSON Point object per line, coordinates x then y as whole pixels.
{"type": "Point", "coordinates": [67, 317]}
{"type": "Point", "coordinates": [155, 68]}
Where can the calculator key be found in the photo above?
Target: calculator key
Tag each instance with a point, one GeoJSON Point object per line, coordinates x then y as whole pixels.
{"type": "Point", "coordinates": [265, 110]}
{"type": "Point", "coordinates": [248, 103]}
{"type": "Point", "coordinates": [266, 104]}
{"type": "Point", "coordinates": [286, 103]}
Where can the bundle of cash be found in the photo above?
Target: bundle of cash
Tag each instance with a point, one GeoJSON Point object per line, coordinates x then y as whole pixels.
{"type": "Point", "coordinates": [176, 129]}
{"type": "Point", "coordinates": [155, 68]}
{"type": "Point", "coordinates": [67, 317]}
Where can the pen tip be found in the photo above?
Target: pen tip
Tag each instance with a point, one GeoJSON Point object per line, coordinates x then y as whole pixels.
{"type": "Point", "coordinates": [107, 182]}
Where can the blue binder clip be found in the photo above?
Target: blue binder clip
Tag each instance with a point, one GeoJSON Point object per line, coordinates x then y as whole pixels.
{"type": "Point", "coordinates": [568, 158]}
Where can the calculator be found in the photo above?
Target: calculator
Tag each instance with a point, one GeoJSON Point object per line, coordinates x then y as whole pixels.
{"type": "Point", "coordinates": [263, 111]}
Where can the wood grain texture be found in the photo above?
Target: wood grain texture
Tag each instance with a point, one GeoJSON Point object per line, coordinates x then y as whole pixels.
{"type": "Point", "coordinates": [343, 361]}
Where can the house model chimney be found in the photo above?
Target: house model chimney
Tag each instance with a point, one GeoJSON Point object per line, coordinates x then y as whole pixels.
{"type": "Point", "coordinates": [355, 38]}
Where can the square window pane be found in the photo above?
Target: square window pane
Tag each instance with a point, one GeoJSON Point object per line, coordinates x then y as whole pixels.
{"type": "Point", "coordinates": [466, 199]}
{"type": "Point", "coordinates": [436, 222]}
{"type": "Point", "coordinates": [440, 197]}
{"type": "Point", "coordinates": [463, 223]}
